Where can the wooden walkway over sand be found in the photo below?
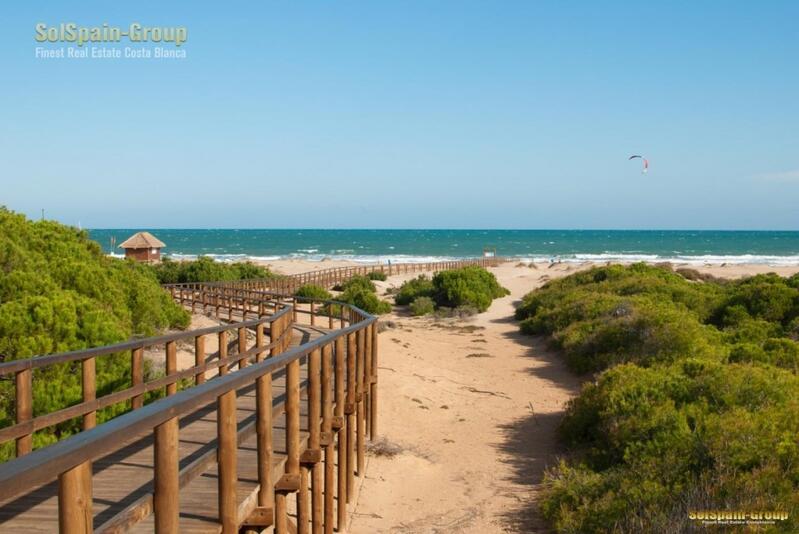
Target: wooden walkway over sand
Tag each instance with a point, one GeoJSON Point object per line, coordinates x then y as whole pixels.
{"type": "Point", "coordinates": [282, 407]}
{"type": "Point", "coordinates": [124, 478]}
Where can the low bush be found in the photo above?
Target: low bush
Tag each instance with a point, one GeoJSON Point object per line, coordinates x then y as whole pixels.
{"type": "Point", "coordinates": [652, 444]}
{"type": "Point", "coordinates": [466, 288]}
{"type": "Point", "coordinates": [205, 269]}
{"type": "Point", "coordinates": [359, 282]}
{"type": "Point", "coordinates": [420, 286]}
{"type": "Point", "coordinates": [697, 404]}
{"type": "Point", "coordinates": [361, 292]}
{"type": "Point", "coordinates": [368, 301]}
{"type": "Point", "coordinates": [472, 285]}
{"type": "Point", "coordinates": [377, 275]}
{"type": "Point", "coordinates": [422, 306]}
{"type": "Point", "coordinates": [313, 291]}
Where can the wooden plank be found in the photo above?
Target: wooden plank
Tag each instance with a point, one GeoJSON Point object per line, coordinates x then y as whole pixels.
{"type": "Point", "coordinates": [124, 479]}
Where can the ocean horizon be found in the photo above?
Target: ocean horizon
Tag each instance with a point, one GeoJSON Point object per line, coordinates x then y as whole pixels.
{"type": "Point", "coordinates": [418, 245]}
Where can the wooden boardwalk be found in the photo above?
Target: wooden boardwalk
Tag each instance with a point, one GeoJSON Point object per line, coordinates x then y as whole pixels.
{"type": "Point", "coordinates": [124, 479]}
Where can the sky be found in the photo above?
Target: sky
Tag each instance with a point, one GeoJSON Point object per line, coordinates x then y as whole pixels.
{"type": "Point", "coordinates": [413, 114]}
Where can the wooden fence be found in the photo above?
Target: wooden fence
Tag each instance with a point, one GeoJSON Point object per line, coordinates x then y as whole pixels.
{"type": "Point", "coordinates": [336, 275]}
{"type": "Point", "coordinates": [323, 449]}
{"type": "Point", "coordinates": [341, 410]}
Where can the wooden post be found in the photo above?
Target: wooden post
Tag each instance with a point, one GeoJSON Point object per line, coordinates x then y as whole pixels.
{"type": "Point", "coordinates": [223, 351]}
{"type": "Point", "coordinates": [89, 386]}
{"type": "Point", "coordinates": [167, 490]}
{"type": "Point", "coordinates": [327, 435]}
{"type": "Point", "coordinates": [373, 386]}
{"type": "Point", "coordinates": [313, 314]}
{"type": "Point", "coordinates": [136, 376]}
{"type": "Point", "coordinates": [199, 358]}
{"type": "Point", "coordinates": [226, 432]}
{"type": "Point", "coordinates": [367, 378]}
{"type": "Point", "coordinates": [302, 502]}
{"type": "Point", "coordinates": [314, 438]}
{"type": "Point", "coordinates": [342, 434]}
{"type": "Point", "coordinates": [242, 346]}
{"type": "Point", "coordinates": [288, 324]}
{"type": "Point", "coordinates": [292, 442]}
{"type": "Point", "coordinates": [75, 500]}
{"type": "Point", "coordinates": [302, 495]}
{"type": "Point", "coordinates": [263, 427]}
{"type": "Point", "coordinates": [359, 411]}
{"type": "Point", "coordinates": [349, 410]}
{"type": "Point", "coordinates": [24, 409]}
{"type": "Point", "coordinates": [171, 366]}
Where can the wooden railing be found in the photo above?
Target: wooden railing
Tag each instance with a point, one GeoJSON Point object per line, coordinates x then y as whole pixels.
{"type": "Point", "coordinates": [336, 275]}
{"type": "Point", "coordinates": [322, 456]}
{"type": "Point", "coordinates": [341, 388]}
{"type": "Point", "coordinates": [220, 361]}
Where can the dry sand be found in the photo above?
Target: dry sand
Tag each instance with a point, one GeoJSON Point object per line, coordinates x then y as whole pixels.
{"type": "Point", "coordinates": [472, 407]}
{"type": "Point", "coordinates": [468, 412]}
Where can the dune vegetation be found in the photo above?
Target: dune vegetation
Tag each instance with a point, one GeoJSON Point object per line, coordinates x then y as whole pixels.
{"type": "Point", "coordinates": [205, 269]}
{"type": "Point", "coordinates": [469, 288]}
{"type": "Point", "coordinates": [695, 402]}
{"type": "Point", "coordinates": [313, 291]}
{"type": "Point", "coordinates": [361, 292]}
{"type": "Point", "coordinates": [59, 292]}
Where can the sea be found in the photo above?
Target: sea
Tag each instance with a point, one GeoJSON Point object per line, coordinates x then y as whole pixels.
{"type": "Point", "coordinates": [369, 246]}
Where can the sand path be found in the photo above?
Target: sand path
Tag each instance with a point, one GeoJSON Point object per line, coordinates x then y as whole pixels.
{"type": "Point", "coordinates": [473, 407]}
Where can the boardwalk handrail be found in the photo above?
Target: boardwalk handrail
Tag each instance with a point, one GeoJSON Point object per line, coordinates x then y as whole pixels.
{"type": "Point", "coordinates": [341, 386]}
{"type": "Point", "coordinates": [334, 275]}
{"type": "Point", "coordinates": [26, 424]}
{"type": "Point", "coordinates": [38, 467]}
{"type": "Point", "coordinates": [343, 361]}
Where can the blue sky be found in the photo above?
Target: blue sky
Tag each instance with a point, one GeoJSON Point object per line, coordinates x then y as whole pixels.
{"type": "Point", "coordinates": [411, 114]}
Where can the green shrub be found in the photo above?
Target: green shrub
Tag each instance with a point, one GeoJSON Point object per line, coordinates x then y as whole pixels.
{"type": "Point", "coordinates": [377, 275]}
{"type": "Point", "coordinates": [465, 289]}
{"type": "Point", "coordinates": [205, 269]}
{"type": "Point", "coordinates": [420, 286]}
{"type": "Point", "coordinates": [59, 292]}
{"type": "Point", "coordinates": [657, 442]}
{"type": "Point", "coordinates": [313, 291]}
{"type": "Point", "coordinates": [698, 404]}
{"type": "Point", "coordinates": [358, 282]}
{"type": "Point", "coordinates": [637, 329]}
{"type": "Point", "coordinates": [366, 300]}
{"type": "Point", "coordinates": [422, 306]}
{"type": "Point", "coordinates": [361, 292]}
{"type": "Point", "coordinates": [473, 286]}
{"type": "Point", "coordinates": [765, 296]}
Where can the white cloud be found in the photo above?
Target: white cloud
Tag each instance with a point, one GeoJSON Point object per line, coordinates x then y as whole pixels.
{"type": "Point", "coordinates": [784, 177]}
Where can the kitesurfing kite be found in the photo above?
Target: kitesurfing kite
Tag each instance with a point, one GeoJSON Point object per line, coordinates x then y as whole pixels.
{"type": "Point", "coordinates": [646, 163]}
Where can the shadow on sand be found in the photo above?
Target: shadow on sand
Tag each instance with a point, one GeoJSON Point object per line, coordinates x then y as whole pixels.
{"type": "Point", "coordinates": [529, 444]}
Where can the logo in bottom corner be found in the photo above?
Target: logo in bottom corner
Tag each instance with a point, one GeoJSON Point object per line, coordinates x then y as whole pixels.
{"type": "Point", "coordinates": [738, 517]}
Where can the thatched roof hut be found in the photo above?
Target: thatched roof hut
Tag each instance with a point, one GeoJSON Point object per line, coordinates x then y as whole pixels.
{"type": "Point", "coordinates": [143, 246]}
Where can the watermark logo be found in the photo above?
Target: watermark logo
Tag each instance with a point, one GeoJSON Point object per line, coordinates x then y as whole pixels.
{"type": "Point", "coordinates": [738, 517]}
{"type": "Point", "coordinates": [136, 41]}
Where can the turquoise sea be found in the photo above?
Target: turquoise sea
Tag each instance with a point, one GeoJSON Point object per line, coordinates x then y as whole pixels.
{"type": "Point", "coordinates": [777, 248]}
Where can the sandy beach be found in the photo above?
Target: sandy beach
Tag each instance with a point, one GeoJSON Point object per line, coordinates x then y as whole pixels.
{"type": "Point", "coordinates": [469, 410]}
{"type": "Point", "coordinates": [468, 428]}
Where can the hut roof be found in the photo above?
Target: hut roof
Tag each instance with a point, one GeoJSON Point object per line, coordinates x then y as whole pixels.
{"type": "Point", "coordinates": [142, 240]}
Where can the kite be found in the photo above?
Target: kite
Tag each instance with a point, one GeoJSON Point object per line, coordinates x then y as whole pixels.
{"type": "Point", "coordinates": [646, 162]}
